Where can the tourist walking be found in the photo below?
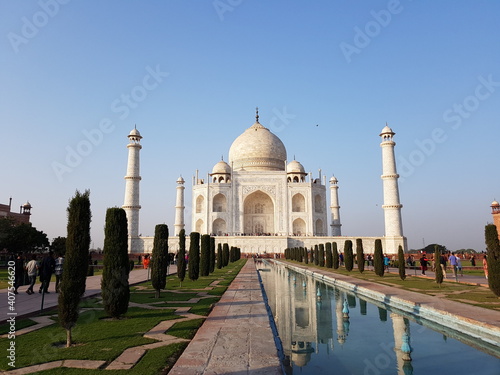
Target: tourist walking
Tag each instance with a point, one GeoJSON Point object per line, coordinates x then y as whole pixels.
{"type": "Point", "coordinates": [47, 267]}
{"type": "Point", "coordinates": [485, 266]}
{"type": "Point", "coordinates": [423, 263]}
{"type": "Point", "coordinates": [58, 270]}
{"type": "Point", "coordinates": [32, 269]}
{"type": "Point", "coordinates": [386, 262]}
{"type": "Point", "coordinates": [453, 264]}
{"type": "Point", "coordinates": [443, 260]}
{"type": "Point", "coordinates": [459, 266]}
{"type": "Point", "coordinates": [473, 261]}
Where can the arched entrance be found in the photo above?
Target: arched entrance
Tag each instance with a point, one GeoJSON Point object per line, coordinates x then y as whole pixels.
{"type": "Point", "coordinates": [258, 217]}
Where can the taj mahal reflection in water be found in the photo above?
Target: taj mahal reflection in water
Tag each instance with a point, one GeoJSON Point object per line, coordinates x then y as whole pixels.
{"type": "Point", "coordinates": [326, 330]}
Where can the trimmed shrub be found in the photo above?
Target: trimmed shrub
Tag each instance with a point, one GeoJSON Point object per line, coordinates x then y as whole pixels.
{"type": "Point", "coordinates": [329, 255]}
{"type": "Point", "coordinates": [225, 254]}
{"type": "Point", "coordinates": [438, 271]}
{"type": "Point", "coordinates": [181, 257]}
{"type": "Point", "coordinates": [378, 258]}
{"type": "Point", "coordinates": [159, 261]}
{"type": "Point", "coordinates": [212, 254]}
{"type": "Point", "coordinates": [194, 256]}
{"type": "Point", "coordinates": [360, 255]}
{"type": "Point", "coordinates": [316, 255]}
{"type": "Point", "coordinates": [493, 258]}
{"type": "Point", "coordinates": [321, 255]}
{"type": "Point", "coordinates": [115, 290]}
{"type": "Point", "coordinates": [348, 255]}
{"type": "Point", "coordinates": [75, 262]}
{"type": "Point", "coordinates": [219, 256]}
{"type": "Point", "coordinates": [401, 263]}
{"type": "Point", "coordinates": [335, 256]}
{"type": "Point", "coordinates": [205, 255]}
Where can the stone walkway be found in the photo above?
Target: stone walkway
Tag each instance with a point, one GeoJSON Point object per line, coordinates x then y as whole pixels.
{"type": "Point", "coordinates": [236, 338]}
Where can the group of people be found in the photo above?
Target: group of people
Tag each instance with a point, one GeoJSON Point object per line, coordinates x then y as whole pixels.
{"type": "Point", "coordinates": [33, 268]}
{"type": "Point", "coordinates": [454, 260]}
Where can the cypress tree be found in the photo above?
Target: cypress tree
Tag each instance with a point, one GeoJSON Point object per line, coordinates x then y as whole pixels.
{"type": "Point", "coordinates": [181, 257]}
{"type": "Point", "coordinates": [438, 271]}
{"type": "Point", "coordinates": [316, 255]}
{"type": "Point", "coordinates": [335, 256]}
{"type": "Point", "coordinates": [194, 256]}
{"type": "Point", "coordinates": [401, 263]}
{"type": "Point", "coordinates": [114, 283]}
{"type": "Point", "coordinates": [348, 256]}
{"type": "Point", "coordinates": [311, 260]}
{"type": "Point", "coordinates": [321, 255]}
{"type": "Point", "coordinates": [219, 256]}
{"type": "Point", "coordinates": [378, 258]}
{"type": "Point", "coordinates": [493, 257]}
{"type": "Point", "coordinates": [360, 255]}
{"type": "Point", "coordinates": [306, 256]}
{"type": "Point", "coordinates": [212, 254]}
{"type": "Point", "coordinates": [225, 254]}
{"type": "Point", "coordinates": [159, 261]}
{"type": "Point", "coordinates": [329, 255]}
{"type": "Point", "coordinates": [75, 262]}
{"type": "Point", "coordinates": [205, 255]}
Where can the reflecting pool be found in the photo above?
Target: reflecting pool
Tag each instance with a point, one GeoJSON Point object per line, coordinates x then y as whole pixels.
{"type": "Point", "coordinates": [325, 330]}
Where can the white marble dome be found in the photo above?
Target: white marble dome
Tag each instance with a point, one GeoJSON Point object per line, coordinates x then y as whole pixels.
{"type": "Point", "coordinates": [295, 167]}
{"type": "Point", "coordinates": [257, 149]}
{"type": "Point", "coordinates": [221, 167]}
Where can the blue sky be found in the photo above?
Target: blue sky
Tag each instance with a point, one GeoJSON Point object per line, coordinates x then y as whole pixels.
{"type": "Point", "coordinates": [77, 75]}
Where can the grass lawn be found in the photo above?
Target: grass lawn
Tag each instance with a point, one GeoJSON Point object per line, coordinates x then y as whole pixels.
{"type": "Point", "coordinates": [97, 337]}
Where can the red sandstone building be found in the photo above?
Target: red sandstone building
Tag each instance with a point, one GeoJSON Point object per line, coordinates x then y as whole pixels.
{"type": "Point", "coordinates": [22, 217]}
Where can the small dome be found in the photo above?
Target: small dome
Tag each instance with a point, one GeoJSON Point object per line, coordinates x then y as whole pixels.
{"type": "Point", "coordinates": [495, 204]}
{"type": "Point", "coordinates": [135, 133]}
{"type": "Point", "coordinates": [27, 205]}
{"type": "Point", "coordinates": [221, 167]}
{"type": "Point", "coordinates": [333, 180]}
{"type": "Point", "coordinates": [387, 130]}
{"type": "Point", "coordinates": [295, 167]}
{"type": "Point", "coordinates": [180, 180]}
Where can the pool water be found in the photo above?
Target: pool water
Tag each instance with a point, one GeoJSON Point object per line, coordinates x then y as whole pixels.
{"type": "Point", "coordinates": [319, 336]}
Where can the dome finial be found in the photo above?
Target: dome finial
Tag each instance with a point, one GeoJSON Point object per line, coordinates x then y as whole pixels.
{"type": "Point", "coordinates": [257, 114]}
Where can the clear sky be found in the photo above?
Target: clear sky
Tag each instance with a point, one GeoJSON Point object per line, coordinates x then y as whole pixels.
{"type": "Point", "coordinates": [76, 76]}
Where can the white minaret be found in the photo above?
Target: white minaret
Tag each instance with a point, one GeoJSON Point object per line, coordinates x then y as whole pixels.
{"type": "Point", "coordinates": [131, 204]}
{"type": "Point", "coordinates": [391, 206]}
{"type": "Point", "coordinates": [179, 206]}
{"type": "Point", "coordinates": [334, 207]}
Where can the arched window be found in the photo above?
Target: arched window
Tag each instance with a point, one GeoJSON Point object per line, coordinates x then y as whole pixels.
{"type": "Point", "coordinates": [199, 226]}
{"type": "Point", "coordinates": [221, 179]}
{"type": "Point", "coordinates": [219, 227]}
{"type": "Point", "coordinates": [298, 203]}
{"type": "Point", "coordinates": [318, 204]}
{"type": "Point", "coordinates": [295, 179]}
{"type": "Point", "coordinates": [299, 227]}
{"type": "Point", "coordinates": [259, 208]}
{"type": "Point", "coordinates": [319, 228]}
{"type": "Point", "coordinates": [199, 204]}
{"type": "Point", "coordinates": [289, 179]}
{"type": "Point", "coordinates": [219, 203]}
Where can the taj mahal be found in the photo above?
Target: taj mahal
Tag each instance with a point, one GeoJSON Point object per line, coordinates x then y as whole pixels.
{"type": "Point", "coordinates": [263, 203]}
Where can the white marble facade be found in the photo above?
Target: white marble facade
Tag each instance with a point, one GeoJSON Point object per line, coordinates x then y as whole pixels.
{"type": "Point", "coordinates": [261, 203]}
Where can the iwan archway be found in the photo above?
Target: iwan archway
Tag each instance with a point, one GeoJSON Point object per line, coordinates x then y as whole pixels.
{"type": "Point", "coordinates": [258, 217]}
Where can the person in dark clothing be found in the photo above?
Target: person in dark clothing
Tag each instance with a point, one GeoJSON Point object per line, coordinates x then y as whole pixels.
{"type": "Point", "coordinates": [47, 267]}
{"type": "Point", "coordinates": [423, 263]}
{"type": "Point", "coordinates": [19, 269]}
